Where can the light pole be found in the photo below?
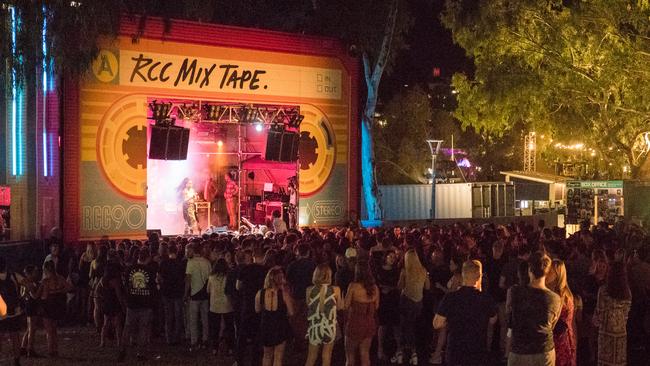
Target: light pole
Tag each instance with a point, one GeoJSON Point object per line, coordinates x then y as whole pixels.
{"type": "Point", "coordinates": [434, 146]}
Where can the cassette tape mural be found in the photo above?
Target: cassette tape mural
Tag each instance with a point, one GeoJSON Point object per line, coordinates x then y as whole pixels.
{"type": "Point", "coordinates": [126, 76]}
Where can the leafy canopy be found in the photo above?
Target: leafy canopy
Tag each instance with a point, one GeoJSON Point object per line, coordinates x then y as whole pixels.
{"type": "Point", "coordinates": [575, 70]}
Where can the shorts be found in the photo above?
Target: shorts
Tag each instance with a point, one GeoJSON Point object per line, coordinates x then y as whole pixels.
{"type": "Point", "coordinates": [538, 359]}
{"type": "Point", "coordinates": [138, 320]}
{"type": "Point", "coordinates": [13, 324]}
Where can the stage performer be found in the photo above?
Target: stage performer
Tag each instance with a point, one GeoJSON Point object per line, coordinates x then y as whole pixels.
{"type": "Point", "coordinates": [230, 194]}
{"type": "Point", "coordinates": [189, 207]}
{"type": "Point", "coordinates": [210, 194]}
{"type": "Point", "coordinates": [292, 190]}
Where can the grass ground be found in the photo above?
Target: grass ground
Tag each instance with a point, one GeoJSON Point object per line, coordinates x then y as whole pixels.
{"type": "Point", "coordinates": [80, 346]}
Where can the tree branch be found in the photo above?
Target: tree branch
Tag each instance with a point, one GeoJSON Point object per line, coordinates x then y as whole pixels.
{"type": "Point", "coordinates": [366, 69]}
{"type": "Point", "coordinates": [384, 53]}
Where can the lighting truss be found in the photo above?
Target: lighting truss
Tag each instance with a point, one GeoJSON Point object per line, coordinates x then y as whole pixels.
{"type": "Point", "coordinates": [250, 113]}
{"type": "Point", "coordinates": [221, 113]}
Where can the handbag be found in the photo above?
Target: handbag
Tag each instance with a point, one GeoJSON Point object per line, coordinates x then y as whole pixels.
{"type": "Point", "coordinates": [202, 294]}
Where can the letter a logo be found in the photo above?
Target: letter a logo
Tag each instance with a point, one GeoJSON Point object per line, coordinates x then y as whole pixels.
{"type": "Point", "coordinates": [105, 66]}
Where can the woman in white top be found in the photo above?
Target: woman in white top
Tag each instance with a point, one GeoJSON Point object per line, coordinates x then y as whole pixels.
{"type": "Point", "coordinates": [323, 301]}
{"type": "Point", "coordinates": [220, 306]}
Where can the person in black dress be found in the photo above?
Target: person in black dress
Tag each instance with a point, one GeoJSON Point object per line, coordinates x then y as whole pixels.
{"type": "Point", "coordinates": [53, 296]}
{"type": "Point", "coordinates": [111, 293]}
{"type": "Point", "coordinates": [275, 305]}
{"type": "Point", "coordinates": [387, 277]}
{"type": "Point", "coordinates": [33, 309]}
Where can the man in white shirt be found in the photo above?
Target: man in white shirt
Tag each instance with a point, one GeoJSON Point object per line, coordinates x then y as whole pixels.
{"type": "Point", "coordinates": [279, 226]}
{"type": "Point", "coordinates": [196, 279]}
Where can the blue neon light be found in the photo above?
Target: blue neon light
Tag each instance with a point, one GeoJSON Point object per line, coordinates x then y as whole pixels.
{"type": "Point", "coordinates": [51, 157]}
{"type": "Point", "coordinates": [14, 122]}
{"type": "Point", "coordinates": [45, 162]}
{"type": "Point", "coordinates": [19, 130]}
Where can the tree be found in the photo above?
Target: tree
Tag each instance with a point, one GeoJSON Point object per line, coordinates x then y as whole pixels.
{"type": "Point", "coordinates": [375, 29]}
{"type": "Point", "coordinates": [574, 70]}
{"type": "Point", "coordinates": [402, 153]}
{"type": "Point", "coordinates": [412, 116]}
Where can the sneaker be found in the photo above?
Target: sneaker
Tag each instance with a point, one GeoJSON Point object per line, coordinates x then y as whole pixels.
{"type": "Point", "coordinates": [414, 359]}
{"type": "Point", "coordinates": [398, 358]}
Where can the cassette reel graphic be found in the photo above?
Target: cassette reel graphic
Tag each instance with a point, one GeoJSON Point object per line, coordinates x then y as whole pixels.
{"type": "Point", "coordinates": [122, 146]}
{"type": "Point", "coordinates": [317, 150]}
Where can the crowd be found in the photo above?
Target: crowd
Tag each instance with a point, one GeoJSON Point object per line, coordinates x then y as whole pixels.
{"type": "Point", "coordinates": [463, 294]}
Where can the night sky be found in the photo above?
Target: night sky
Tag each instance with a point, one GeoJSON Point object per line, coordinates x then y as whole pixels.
{"type": "Point", "coordinates": [430, 45]}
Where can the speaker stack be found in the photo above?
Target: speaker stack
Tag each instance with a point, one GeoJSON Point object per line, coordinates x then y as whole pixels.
{"type": "Point", "coordinates": [169, 142]}
{"type": "Point", "coordinates": [282, 146]}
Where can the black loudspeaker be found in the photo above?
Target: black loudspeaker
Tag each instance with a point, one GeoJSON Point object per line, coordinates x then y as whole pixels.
{"type": "Point", "coordinates": [273, 146]}
{"type": "Point", "coordinates": [169, 142]}
{"type": "Point", "coordinates": [289, 149]}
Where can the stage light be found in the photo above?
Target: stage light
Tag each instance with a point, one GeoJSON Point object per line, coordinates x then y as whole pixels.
{"type": "Point", "coordinates": [220, 143]}
{"type": "Point", "coordinates": [160, 113]}
{"type": "Point", "coordinates": [249, 114]}
{"type": "Point", "coordinates": [212, 112]}
{"type": "Point", "coordinates": [189, 113]}
{"type": "Point", "coordinates": [259, 127]}
{"type": "Point", "coordinates": [296, 120]}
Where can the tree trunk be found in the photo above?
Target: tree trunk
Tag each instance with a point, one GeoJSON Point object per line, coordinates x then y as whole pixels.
{"type": "Point", "coordinates": [373, 76]}
{"type": "Point", "coordinates": [368, 177]}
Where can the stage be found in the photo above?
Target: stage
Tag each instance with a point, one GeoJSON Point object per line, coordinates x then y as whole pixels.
{"type": "Point", "coordinates": [253, 83]}
{"type": "Point", "coordinates": [253, 145]}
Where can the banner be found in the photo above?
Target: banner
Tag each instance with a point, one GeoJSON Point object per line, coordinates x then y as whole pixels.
{"type": "Point", "coordinates": [126, 76]}
{"type": "Point", "coordinates": [148, 69]}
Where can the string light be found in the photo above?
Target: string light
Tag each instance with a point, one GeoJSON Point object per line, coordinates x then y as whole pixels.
{"type": "Point", "coordinates": [577, 146]}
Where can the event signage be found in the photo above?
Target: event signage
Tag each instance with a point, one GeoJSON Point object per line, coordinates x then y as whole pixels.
{"type": "Point", "coordinates": [595, 184]}
{"type": "Point", "coordinates": [116, 182]}
{"type": "Point", "coordinates": [157, 70]}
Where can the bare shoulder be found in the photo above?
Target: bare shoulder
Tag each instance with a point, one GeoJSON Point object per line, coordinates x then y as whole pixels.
{"type": "Point", "coordinates": [337, 290]}
{"type": "Point", "coordinates": [352, 287]}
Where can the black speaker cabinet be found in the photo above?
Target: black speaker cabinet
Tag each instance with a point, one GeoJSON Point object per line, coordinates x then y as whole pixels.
{"type": "Point", "coordinates": [289, 149]}
{"type": "Point", "coordinates": [169, 142]}
{"type": "Point", "coordinates": [273, 146]}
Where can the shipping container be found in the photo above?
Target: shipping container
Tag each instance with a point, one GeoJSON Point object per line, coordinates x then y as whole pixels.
{"type": "Point", "coordinates": [406, 202]}
{"type": "Point", "coordinates": [453, 201]}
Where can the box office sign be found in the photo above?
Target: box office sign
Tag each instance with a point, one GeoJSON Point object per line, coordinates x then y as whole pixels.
{"type": "Point", "coordinates": [595, 184]}
{"type": "Point", "coordinates": [167, 71]}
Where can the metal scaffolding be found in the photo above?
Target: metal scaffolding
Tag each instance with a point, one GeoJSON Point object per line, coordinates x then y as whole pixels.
{"type": "Point", "coordinates": [530, 152]}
